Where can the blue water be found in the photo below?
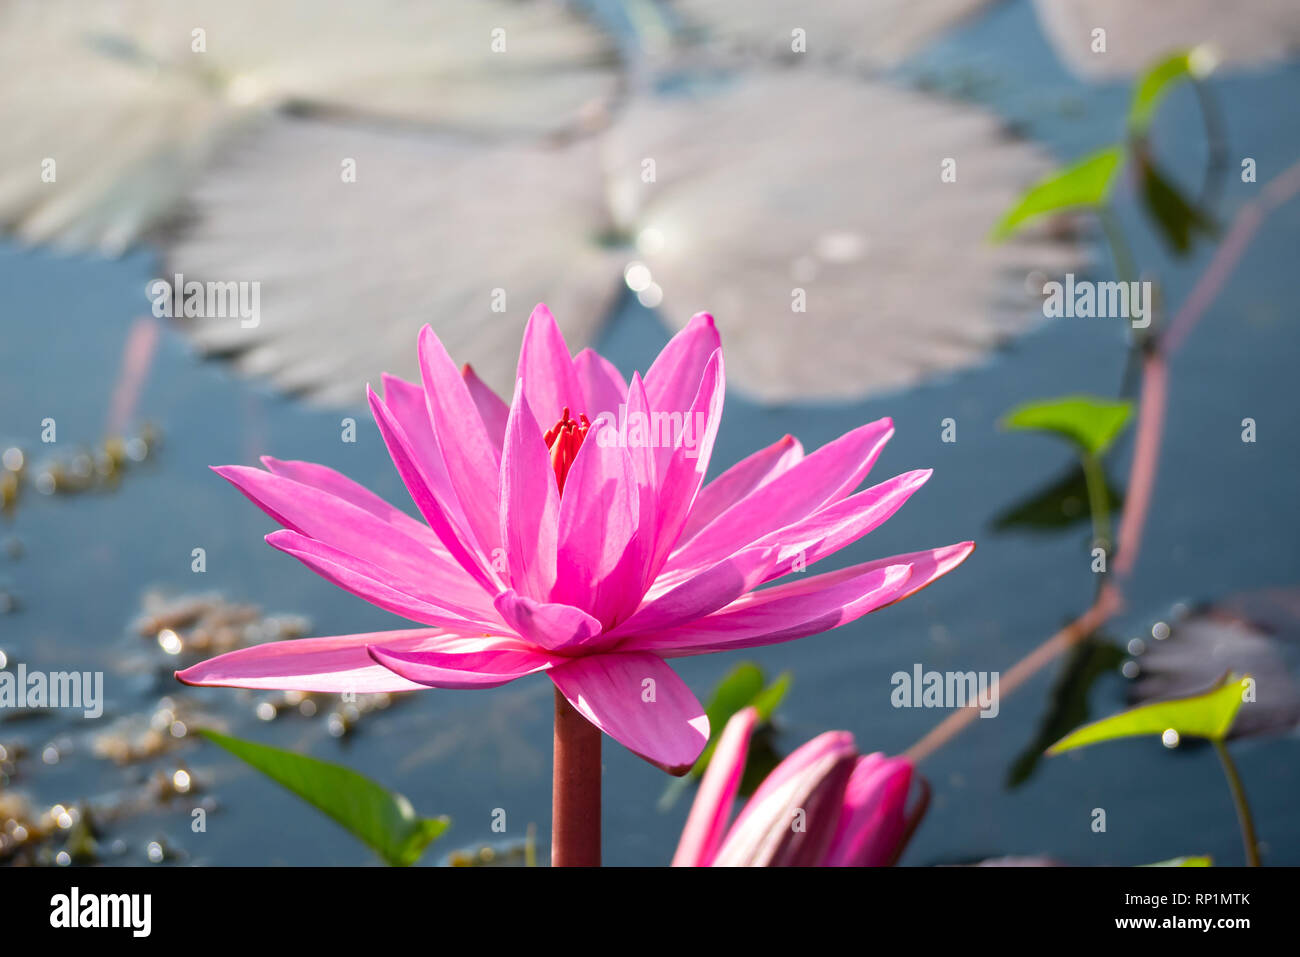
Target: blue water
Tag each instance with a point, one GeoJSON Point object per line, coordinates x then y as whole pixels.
{"type": "Point", "coordinates": [1221, 522]}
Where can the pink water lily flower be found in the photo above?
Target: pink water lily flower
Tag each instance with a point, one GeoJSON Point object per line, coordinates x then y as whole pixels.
{"type": "Point", "coordinates": [823, 806]}
{"type": "Point", "coordinates": [571, 533]}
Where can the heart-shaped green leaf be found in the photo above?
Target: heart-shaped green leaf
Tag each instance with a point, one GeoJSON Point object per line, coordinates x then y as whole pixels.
{"type": "Point", "coordinates": [1207, 715]}
{"type": "Point", "coordinates": [1084, 184]}
{"type": "Point", "coordinates": [743, 686]}
{"type": "Point", "coordinates": [1159, 79]}
{"type": "Point", "coordinates": [1089, 422]}
{"type": "Point", "coordinates": [1184, 862]}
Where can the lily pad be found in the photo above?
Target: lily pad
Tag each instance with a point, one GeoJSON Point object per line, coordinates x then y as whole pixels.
{"type": "Point", "coordinates": [879, 34]}
{"type": "Point", "coordinates": [133, 116]}
{"type": "Point", "coordinates": [1139, 33]}
{"type": "Point", "coordinates": [469, 236]}
{"type": "Point", "coordinates": [1255, 633]}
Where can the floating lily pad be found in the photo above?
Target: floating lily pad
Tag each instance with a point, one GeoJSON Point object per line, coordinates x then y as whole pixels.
{"type": "Point", "coordinates": [1139, 33]}
{"type": "Point", "coordinates": [877, 34]}
{"type": "Point", "coordinates": [133, 115]}
{"type": "Point", "coordinates": [1255, 633]}
{"type": "Point", "coordinates": [794, 250]}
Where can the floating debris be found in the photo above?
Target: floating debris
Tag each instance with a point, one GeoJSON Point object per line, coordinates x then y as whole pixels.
{"type": "Point", "coordinates": [83, 470]}
{"type": "Point", "coordinates": [209, 624]}
{"type": "Point", "coordinates": [148, 735]}
{"type": "Point", "coordinates": [60, 835]}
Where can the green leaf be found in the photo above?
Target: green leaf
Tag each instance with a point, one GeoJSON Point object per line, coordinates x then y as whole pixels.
{"type": "Point", "coordinates": [381, 819]}
{"type": "Point", "coordinates": [1205, 861]}
{"type": "Point", "coordinates": [1089, 422]}
{"type": "Point", "coordinates": [1055, 506]}
{"type": "Point", "coordinates": [1084, 184]}
{"type": "Point", "coordinates": [1159, 79]}
{"type": "Point", "coordinates": [1207, 715]}
{"type": "Point", "coordinates": [1179, 220]}
{"type": "Point", "coordinates": [769, 699]}
{"type": "Point", "coordinates": [743, 686]}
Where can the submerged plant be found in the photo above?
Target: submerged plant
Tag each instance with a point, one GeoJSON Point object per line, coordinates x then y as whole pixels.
{"type": "Point", "coordinates": [571, 533]}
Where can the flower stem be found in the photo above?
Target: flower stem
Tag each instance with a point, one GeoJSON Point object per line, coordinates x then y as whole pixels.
{"type": "Point", "coordinates": [575, 789]}
{"type": "Point", "coordinates": [1239, 800]}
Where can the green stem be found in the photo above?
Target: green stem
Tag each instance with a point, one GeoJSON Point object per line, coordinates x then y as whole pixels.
{"type": "Point", "coordinates": [1125, 265]}
{"type": "Point", "coordinates": [1239, 800]}
{"type": "Point", "coordinates": [1216, 142]}
{"type": "Point", "coordinates": [1098, 501]}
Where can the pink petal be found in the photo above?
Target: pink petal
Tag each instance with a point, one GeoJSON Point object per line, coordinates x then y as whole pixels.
{"type": "Point", "coordinates": [644, 472]}
{"type": "Point", "coordinates": [801, 544]}
{"type": "Point", "coordinates": [841, 524]}
{"type": "Point", "coordinates": [638, 700]}
{"type": "Point", "coordinates": [435, 500]}
{"type": "Point", "coordinates": [550, 381]}
{"type": "Point", "coordinates": [600, 564]}
{"type": "Point", "coordinates": [740, 480]}
{"type": "Point", "coordinates": [489, 663]}
{"type": "Point", "coordinates": [822, 478]}
{"type": "Point", "coordinates": [702, 594]}
{"type": "Point", "coordinates": [340, 486]}
{"type": "Point", "coordinates": [373, 584]}
{"type": "Point", "coordinates": [406, 404]}
{"type": "Point", "coordinates": [554, 627]}
{"type": "Point", "coordinates": [338, 523]}
{"type": "Point", "coordinates": [873, 820]}
{"type": "Point", "coordinates": [674, 377]}
{"type": "Point", "coordinates": [806, 789]}
{"type": "Point", "coordinates": [491, 407]}
{"type": "Point", "coordinates": [330, 665]}
{"type": "Point", "coordinates": [473, 460]}
{"type": "Point", "coordinates": [783, 613]}
{"type": "Point", "coordinates": [927, 566]}
{"type": "Point", "coordinates": [603, 386]}
{"type": "Point", "coordinates": [680, 469]}
{"type": "Point", "coordinates": [707, 822]}
{"type": "Point", "coordinates": [806, 607]}
{"type": "Point", "coordinates": [530, 503]}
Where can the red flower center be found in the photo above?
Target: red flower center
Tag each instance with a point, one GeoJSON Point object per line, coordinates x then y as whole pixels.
{"type": "Point", "coordinates": [564, 439]}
